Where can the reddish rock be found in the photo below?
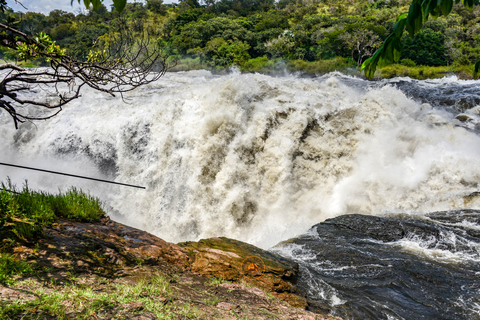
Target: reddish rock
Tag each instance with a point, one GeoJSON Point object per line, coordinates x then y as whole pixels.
{"type": "Point", "coordinates": [225, 258]}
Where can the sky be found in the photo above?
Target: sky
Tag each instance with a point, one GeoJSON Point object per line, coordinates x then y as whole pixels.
{"type": "Point", "coordinates": [45, 6]}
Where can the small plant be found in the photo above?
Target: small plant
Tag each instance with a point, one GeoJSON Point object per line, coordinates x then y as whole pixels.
{"type": "Point", "coordinates": [408, 62]}
{"type": "Point", "coordinates": [9, 266]}
{"type": "Point", "coordinates": [216, 281]}
{"type": "Point", "coordinates": [211, 301]}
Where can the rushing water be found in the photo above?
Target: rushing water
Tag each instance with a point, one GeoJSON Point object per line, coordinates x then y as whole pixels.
{"type": "Point", "coordinates": [262, 159]}
{"type": "Point", "coordinates": [393, 267]}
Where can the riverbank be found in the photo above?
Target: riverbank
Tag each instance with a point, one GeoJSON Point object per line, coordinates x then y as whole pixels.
{"type": "Point", "coordinates": [320, 67]}
{"type": "Point", "coordinates": [267, 66]}
{"type": "Point", "coordinates": [106, 270]}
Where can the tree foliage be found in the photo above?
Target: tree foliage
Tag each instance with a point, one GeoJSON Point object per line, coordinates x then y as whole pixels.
{"type": "Point", "coordinates": [412, 22]}
{"type": "Point", "coordinates": [345, 32]}
{"type": "Point", "coordinates": [427, 47]}
{"type": "Point", "coordinates": [116, 62]}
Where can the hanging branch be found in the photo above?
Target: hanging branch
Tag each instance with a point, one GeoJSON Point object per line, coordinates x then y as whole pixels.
{"type": "Point", "coordinates": [118, 66]}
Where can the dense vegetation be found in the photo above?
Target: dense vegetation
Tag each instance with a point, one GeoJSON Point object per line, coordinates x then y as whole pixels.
{"type": "Point", "coordinates": [23, 214]}
{"type": "Point", "coordinates": [256, 34]}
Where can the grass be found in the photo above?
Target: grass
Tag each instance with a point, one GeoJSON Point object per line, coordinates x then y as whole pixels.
{"type": "Point", "coordinates": [86, 303]}
{"type": "Point", "coordinates": [321, 66]}
{"type": "Point", "coordinates": [406, 68]}
{"type": "Point", "coordinates": [424, 72]}
{"type": "Point", "coordinates": [214, 282]}
{"type": "Point", "coordinates": [212, 301]}
{"type": "Point", "coordinates": [187, 63]}
{"type": "Point", "coordinates": [24, 213]}
{"type": "Point", "coordinates": [10, 266]}
{"type": "Point", "coordinates": [264, 65]}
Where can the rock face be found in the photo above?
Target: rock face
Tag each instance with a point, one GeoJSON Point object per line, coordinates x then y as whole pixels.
{"type": "Point", "coordinates": [229, 259]}
{"type": "Point", "coordinates": [107, 245]}
{"type": "Point", "coordinates": [197, 270]}
{"type": "Point", "coordinates": [398, 266]}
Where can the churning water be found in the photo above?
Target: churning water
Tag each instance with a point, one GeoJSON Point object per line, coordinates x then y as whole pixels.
{"type": "Point", "coordinates": [262, 159]}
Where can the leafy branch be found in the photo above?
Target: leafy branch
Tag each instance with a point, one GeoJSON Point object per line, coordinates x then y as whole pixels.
{"type": "Point", "coordinates": [412, 21]}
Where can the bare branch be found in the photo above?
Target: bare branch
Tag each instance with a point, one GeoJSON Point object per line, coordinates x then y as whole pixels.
{"type": "Point", "coordinates": [11, 66]}
{"type": "Point", "coordinates": [117, 67]}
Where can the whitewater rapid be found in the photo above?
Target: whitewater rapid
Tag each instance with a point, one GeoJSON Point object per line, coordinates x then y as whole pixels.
{"type": "Point", "coordinates": [255, 157]}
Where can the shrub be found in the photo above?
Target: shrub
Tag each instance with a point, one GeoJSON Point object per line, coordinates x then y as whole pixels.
{"type": "Point", "coordinates": [426, 48]}
{"type": "Point", "coordinates": [408, 62]}
{"type": "Point", "coordinates": [321, 66]}
{"type": "Point", "coordinates": [219, 52]}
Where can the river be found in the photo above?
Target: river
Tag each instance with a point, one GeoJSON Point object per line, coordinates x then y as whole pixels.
{"type": "Point", "coordinates": [263, 159]}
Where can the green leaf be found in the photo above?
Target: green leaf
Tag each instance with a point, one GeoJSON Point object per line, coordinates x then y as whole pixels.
{"type": "Point", "coordinates": [446, 7]}
{"type": "Point", "coordinates": [468, 3]}
{"type": "Point", "coordinates": [369, 65]}
{"type": "Point", "coordinates": [425, 7]}
{"type": "Point", "coordinates": [475, 71]}
{"type": "Point", "coordinates": [435, 13]}
{"type": "Point", "coordinates": [414, 18]}
{"type": "Point", "coordinates": [402, 16]}
{"type": "Point", "coordinates": [120, 4]}
{"type": "Point", "coordinates": [400, 25]}
{"type": "Point", "coordinates": [87, 3]}
{"type": "Point", "coordinates": [96, 4]}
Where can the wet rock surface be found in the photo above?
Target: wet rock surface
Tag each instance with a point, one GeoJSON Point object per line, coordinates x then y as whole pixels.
{"type": "Point", "coordinates": [394, 267]}
{"type": "Point", "coordinates": [453, 96]}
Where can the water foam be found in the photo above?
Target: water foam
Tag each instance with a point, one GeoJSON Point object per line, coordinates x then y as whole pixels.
{"type": "Point", "coordinates": [250, 156]}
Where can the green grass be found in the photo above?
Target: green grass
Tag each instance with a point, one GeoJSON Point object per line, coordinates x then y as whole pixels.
{"type": "Point", "coordinates": [187, 63]}
{"type": "Point", "coordinates": [264, 65]}
{"type": "Point", "coordinates": [10, 266]}
{"type": "Point", "coordinates": [23, 213]}
{"type": "Point", "coordinates": [321, 66]}
{"type": "Point", "coordinates": [85, 302]}
{"type": "Point", "coordinates": [212, 301]}
{"type": "Point", "coordinates": [216, 281]}
{"type": "Point", "coordinates": [424, 72]}
{"type": "Point", "coordinates": [406, 68]}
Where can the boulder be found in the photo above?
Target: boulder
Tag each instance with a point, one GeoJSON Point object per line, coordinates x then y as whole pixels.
{"type": "Point", "coordinates": [230, 260]}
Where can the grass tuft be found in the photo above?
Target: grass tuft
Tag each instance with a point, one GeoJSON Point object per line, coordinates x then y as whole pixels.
{"type": "Point", "coordinates": [214, 282]}
{"type": "Point", "coordinates": [10, 266]}
{"type": "Point", "coordinates": [86, 303]}
{"type": "Point", "coordinates": [23, 214]}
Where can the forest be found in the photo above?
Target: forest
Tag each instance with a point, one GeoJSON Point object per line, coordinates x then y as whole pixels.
{"type": "Point", "coordinates": [267, 36]}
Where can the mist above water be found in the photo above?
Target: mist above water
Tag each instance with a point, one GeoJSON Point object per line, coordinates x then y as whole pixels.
{"type": "Point", "coordinates": [255, 157]}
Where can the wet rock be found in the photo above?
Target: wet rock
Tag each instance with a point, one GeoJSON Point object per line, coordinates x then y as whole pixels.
{"type": "Point", "coordinates": [118, 244]}
{"type": "Point", "coordinates": [107, 255]}
{"type": "Point", "coordinates": [378, 228]}
{"type": "Point", "coordinates": [360, 267]}
{"type": "Point", "coordinates": [464, 117]}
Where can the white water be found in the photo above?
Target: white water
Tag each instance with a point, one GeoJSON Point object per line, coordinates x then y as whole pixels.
{"type": "Point", "coordinates": [251, 157]}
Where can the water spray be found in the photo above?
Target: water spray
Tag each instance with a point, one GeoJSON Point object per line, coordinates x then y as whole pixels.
{"type": "Point", "coordinates": [70, 175]}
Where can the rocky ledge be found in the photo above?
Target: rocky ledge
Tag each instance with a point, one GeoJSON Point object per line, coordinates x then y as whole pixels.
{"type": "Point", "coordinates": [111, 271]}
